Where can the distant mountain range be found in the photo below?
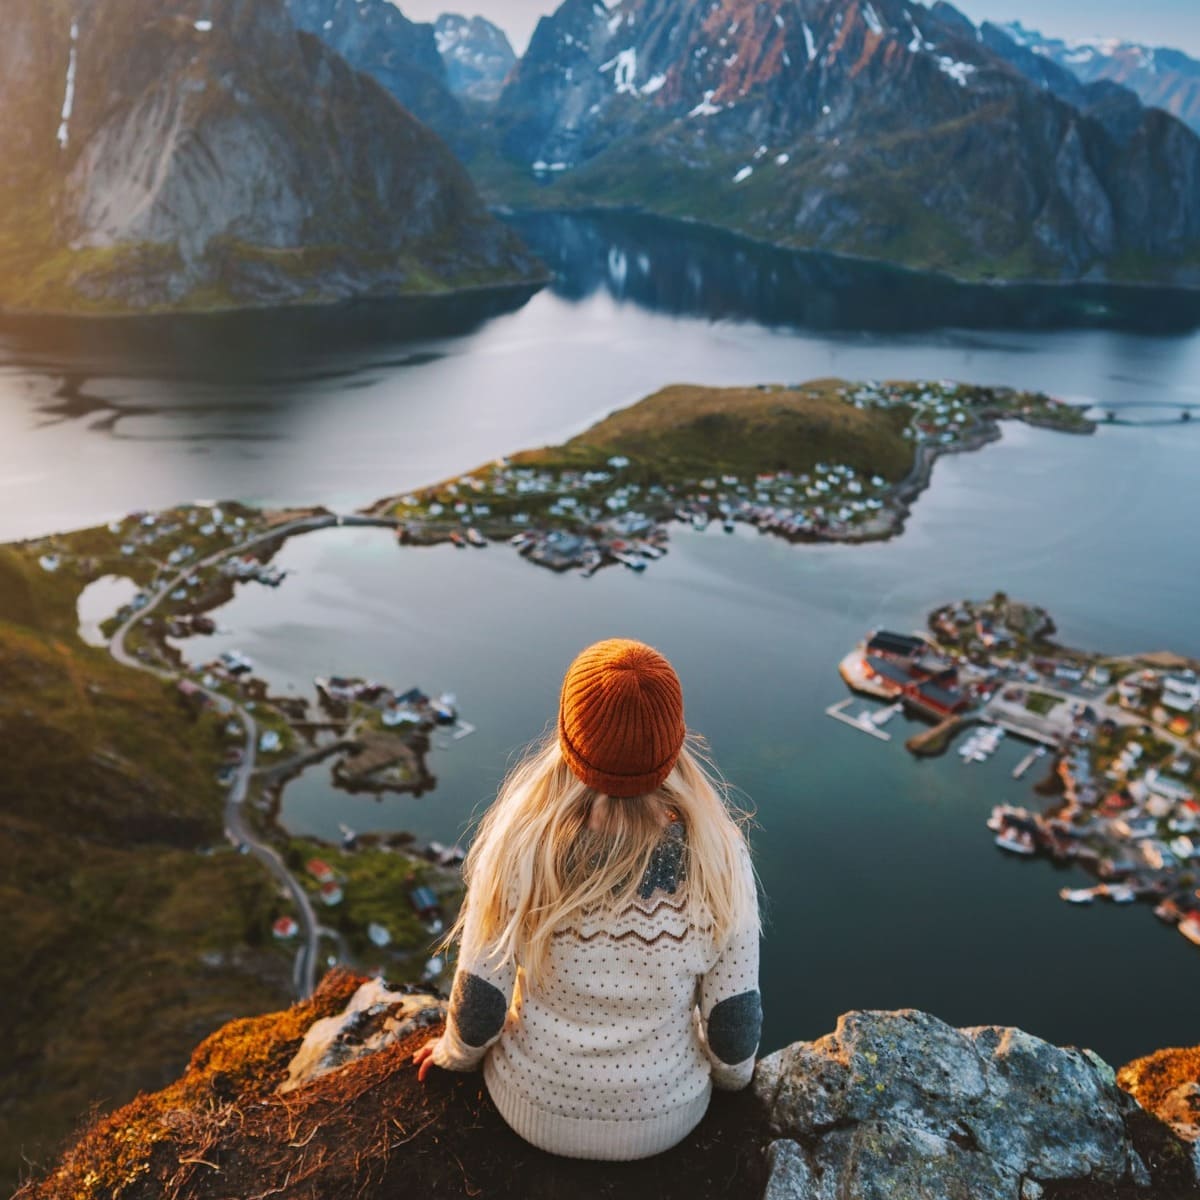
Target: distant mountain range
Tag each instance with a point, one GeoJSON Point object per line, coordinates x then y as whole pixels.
{"type": "Point", "coordinates": [866, 127]}
{"type": "Point", "coordinates": [477, 55]}
{"type": "Point", "coordinates": [432, 69]}
{"type": "Point", "coordinates": [160, 154]}
{"type": "Point", "coordinates": [1163, 78]}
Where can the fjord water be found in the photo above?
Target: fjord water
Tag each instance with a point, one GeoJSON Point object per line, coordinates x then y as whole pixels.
{"type": "Point", "coordinates": [883, 886]}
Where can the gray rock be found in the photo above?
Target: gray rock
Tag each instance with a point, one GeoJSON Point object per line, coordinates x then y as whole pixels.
{"type": "Point", "coordinates": [900, 1104]}
{"type": "Point", "coordinates": [376, 1017]}
{"type": "Point", "coordinates": [790, 1177]}
{"type": "Point", "coordinates": [1049, 1113]}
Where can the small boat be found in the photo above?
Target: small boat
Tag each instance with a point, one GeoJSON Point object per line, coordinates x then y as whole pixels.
{"type": "Point", "coordinates": [460, 542]}
{"type": "Point", "coordinates": [1015, 841]}
{"type": "Point", "coordinates": [631, 561]}
{"type": "Point", "coordinates": [700, 521]}
{"type": "Point", "coordinates": [236, 663]}
{"type": "Point", "coordinates": [444, 709]}
{"type": "Point", "coordinates": [475, 537]}
{"type": "Point", "coordinates": [1077, 895]}
{"type": "Point", "coordinates": [727, 524]}
{"type": "Point", "coordinates": [1190, 928]}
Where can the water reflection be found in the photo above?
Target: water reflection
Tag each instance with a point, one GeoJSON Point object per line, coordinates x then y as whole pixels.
{"type": "Point", "coordinates": [684, 269]}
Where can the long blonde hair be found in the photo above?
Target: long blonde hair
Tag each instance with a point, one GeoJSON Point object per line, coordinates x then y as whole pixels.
{"type": "Point", "coordinates": [535, 864]}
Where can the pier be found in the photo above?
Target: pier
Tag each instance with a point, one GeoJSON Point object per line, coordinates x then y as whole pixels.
{"type": "Point", "coordinates": [864, 722]}
{"type": "Point", "coordinates": [1025, 763]}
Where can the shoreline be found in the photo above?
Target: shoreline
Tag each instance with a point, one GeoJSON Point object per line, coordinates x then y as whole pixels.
{"type": "Point", "coordinates": [503, 209]}
{"type": "Point", "coordinates": [441, 295]}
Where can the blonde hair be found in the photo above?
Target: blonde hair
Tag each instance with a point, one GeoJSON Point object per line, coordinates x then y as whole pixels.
{"type": "Point", "coordinates": [535, 864]}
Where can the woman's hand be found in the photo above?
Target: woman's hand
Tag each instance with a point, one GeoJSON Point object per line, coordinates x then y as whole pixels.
{"type": "Point", "coordinates": [423, 1058]}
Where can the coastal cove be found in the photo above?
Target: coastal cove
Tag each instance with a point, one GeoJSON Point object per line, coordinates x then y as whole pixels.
{"type": "Point", "coordinates": [884, 887]}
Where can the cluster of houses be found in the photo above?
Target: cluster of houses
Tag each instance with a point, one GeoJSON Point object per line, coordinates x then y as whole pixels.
{"type": "Point", "coordinates": [588, 517]}
{"type": "Point", "coordinates": [421, 898]}
{"type": "Point", "coordinates": [412, 707]}
{"type": "Point", "coordinates": [911, 670]}
{"type": "Point", "coordinates": [1125, 738]}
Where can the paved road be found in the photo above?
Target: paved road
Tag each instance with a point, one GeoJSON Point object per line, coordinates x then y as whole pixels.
{"type": "Point", "coordinates": [237, 829]}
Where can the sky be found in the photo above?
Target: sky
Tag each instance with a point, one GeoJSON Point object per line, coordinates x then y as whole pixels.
{"type": "Point", "coordinates": [1158, 22]}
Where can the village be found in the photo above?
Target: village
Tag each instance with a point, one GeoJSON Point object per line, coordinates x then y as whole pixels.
{"type": "Point", "coordinates": [615, 509]}
{"type": "Point", "coordinates": [1120, 736]}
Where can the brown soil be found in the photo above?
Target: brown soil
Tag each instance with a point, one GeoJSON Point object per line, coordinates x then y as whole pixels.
{"type": "Point", "coordinates": [372, 1130]}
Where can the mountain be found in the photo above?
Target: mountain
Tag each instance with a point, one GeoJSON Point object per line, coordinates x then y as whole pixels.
{"type": "Point", "coordinates": [164, 154]}
{"type": "Point", "coordinates": [867, 127]}
{"type": "Point", "coordinates": [375, 37]}
{"type": "Point", "coordinates": [477, 55]}
{"type": "Point", "coordinates": [1162, 78]}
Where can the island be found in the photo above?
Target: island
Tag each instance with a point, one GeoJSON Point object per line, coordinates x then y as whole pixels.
{"type": "Point", "coordinates": [1121, 735]}
{"type": "Point", "coordinates": [823, 461]}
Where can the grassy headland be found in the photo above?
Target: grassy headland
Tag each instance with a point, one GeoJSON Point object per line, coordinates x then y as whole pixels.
{"type": "Point", "coordinates": [826, 460]}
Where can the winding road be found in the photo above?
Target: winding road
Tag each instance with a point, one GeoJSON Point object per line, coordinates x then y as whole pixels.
{"type": "Point", "coordinates": [237, 829]}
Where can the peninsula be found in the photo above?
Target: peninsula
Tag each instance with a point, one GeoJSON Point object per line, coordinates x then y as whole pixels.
{"type": "Point", "coordinates": [823, 461]}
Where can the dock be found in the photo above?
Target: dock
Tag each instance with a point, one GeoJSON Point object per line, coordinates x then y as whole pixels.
{"type": "Point", "coordinates": [1026, 763]}
{"type": "Point", "coordinates": [864, 722]}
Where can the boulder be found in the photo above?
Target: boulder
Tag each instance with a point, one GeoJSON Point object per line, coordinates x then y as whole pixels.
{"type": "Point", "coordinates": [901, 1104]}
{"type": "Point", "coordinates": [378, 1015]}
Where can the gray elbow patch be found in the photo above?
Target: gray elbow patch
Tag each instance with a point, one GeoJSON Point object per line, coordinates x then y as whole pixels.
{"type": "Point", "coordinates": [734, 1027]}
{"type": "Point", "coordinates": [479, 1009]}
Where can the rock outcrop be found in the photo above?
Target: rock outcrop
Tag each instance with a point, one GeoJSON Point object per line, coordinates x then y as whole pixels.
{"type": "Point", "coordinates": [875, 128]}
{"type": "Point", "coordinates": [323, 1101]}
{"type": "Point", "coordinates": [163, 155]}
{"type": "Point", "coordinates": [901, 1104]}
{"type": "Point", "coordinates": [1167, 1084]}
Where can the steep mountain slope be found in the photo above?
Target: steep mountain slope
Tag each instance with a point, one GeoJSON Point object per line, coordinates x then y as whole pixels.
{"type": "Point", "coordinates": [375, 37]}
{"type": "Point", "coordinates": [869, 127]}
{"type": "Point", "coordinates": [1163, 78]}
{"type": "Point", "coordinates": [159, 154]}
{"type": "Point", "coordinates": [477, 55]}
{"type": "Point", "coordinates": [111, 836]}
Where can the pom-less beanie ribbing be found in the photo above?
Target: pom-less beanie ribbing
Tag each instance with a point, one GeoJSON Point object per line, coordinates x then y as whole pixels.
{"type": "Point", "coordinates": [620, 718]}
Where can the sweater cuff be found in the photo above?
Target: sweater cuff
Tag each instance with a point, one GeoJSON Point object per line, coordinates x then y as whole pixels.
{"type": "Point", "coordinates": [732, 1078]}
{"type": "Point", "coordinates": [453, 1054]}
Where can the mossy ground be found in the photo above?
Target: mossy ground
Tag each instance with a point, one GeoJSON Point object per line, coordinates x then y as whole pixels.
{"type": "Point", "coordinates": [131, 928]}
{"type": "Point", "coordinates": [368, 1129]}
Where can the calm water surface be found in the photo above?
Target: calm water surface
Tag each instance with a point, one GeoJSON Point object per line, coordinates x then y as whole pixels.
{"type": "Point", "coordinates": [884, 887]}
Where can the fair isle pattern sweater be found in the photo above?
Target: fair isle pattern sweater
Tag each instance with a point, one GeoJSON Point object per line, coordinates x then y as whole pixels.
{"type": "Point", "coordinates": [615, 1055]}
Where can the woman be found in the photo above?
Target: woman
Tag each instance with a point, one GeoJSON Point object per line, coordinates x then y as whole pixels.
{"type": "Point", "coordinates": [608, 968]}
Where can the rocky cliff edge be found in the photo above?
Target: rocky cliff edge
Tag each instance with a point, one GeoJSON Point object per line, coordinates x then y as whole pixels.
{"type": "Point", "coordinates": [322, 1101]}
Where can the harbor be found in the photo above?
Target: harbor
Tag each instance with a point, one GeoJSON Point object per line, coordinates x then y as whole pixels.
{"type": "Point", "coordinates": [1120, 738]}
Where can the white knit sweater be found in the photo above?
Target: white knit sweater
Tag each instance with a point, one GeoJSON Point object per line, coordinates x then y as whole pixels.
{"type": "Point", "coordinates": [615, 1055]}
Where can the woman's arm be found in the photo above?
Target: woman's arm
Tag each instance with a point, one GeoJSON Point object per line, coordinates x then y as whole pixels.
{"type": "Point", "coordinates": [479, 1003]}
{"type": "Point", "coordinates": [731, 1007]}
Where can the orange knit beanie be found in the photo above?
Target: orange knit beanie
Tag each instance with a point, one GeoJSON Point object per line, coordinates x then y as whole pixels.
{"type": "Point", "coordinates": [620, 719]}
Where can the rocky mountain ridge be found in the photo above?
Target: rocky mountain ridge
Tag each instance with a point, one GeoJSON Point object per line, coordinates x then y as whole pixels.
{"type": "Point", "coordinates": [164, 156]}
{"type": "Point", "coordinates": [866, 127]}
{"type": "Point", "coordinates": [322, 1100]}
{"type": "Point", "coordinates": [477, 55]}
{"type": "Point", "coordinates": [1162, 77]}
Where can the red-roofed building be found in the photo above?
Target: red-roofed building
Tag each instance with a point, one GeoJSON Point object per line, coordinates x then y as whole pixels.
{"type": "Point", "coordinates": [285, 928]}
{"type": "Point", "coordinates": [320, 870]}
